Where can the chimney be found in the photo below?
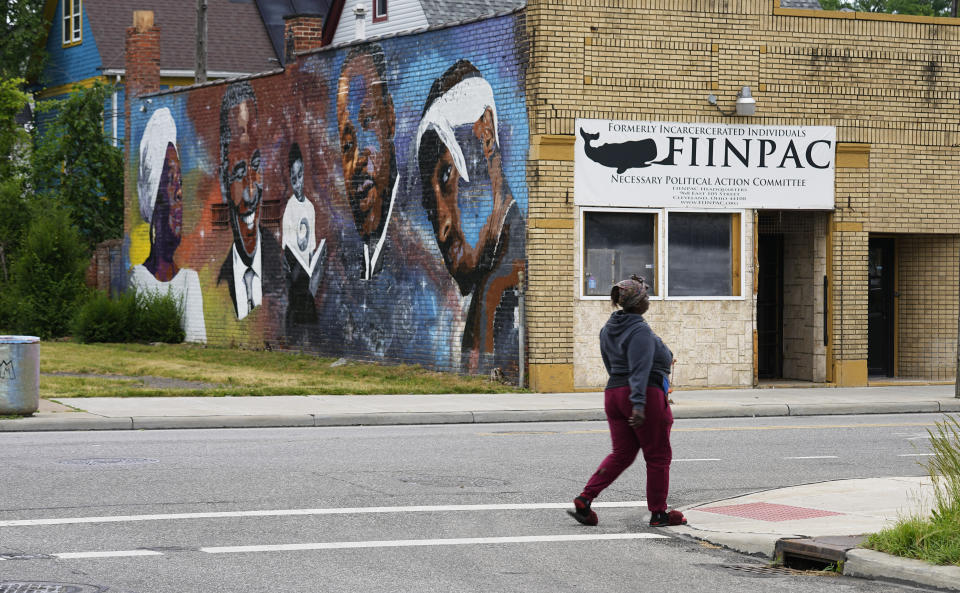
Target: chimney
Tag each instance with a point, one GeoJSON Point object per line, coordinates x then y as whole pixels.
{"type": "Point", "coordinates": [142, 62]}
{"type": "Point", "coordinates": [301, 32]}
{"type": "Point", "coordinates": [360, 28]}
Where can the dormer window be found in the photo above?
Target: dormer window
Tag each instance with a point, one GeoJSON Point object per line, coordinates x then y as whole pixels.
{"type": "Point", "coordinates": [72, 22]}
{"type": "Point", "coordinates": [379, 10]}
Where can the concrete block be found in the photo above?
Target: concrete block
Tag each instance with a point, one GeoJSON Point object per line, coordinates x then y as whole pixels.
{"type": "Point", "coordinates": [871, 564]}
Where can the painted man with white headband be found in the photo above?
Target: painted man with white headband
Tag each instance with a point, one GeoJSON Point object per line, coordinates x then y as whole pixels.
{"type": "Point", "coordinates": [161, 206]}
{"type": "Point", "coordinates": [366, 122]}
{"type": "Point", "coordinates": [461, 172]}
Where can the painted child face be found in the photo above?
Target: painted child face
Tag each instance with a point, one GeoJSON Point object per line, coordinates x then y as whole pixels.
{"type": "Point", "coordinates": [296, 178]}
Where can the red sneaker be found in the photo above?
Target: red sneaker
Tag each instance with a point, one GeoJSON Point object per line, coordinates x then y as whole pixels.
{"type": "Point", "coordinates": [667, 519]}
{"type": "Point", "coordinates": [582, 513]}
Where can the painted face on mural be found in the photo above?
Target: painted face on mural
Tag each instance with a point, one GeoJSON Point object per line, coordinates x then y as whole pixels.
{"type": "Point", "coordinates": [461, 204]}
{"type": "Point", "coordinates": [168, 211]}
{"type": "Point", "coordinates": [243, 175]}
{"type": "Point", "coordinates": [366, 122]}
{"type": "Point", "coordinates": [296, 179]}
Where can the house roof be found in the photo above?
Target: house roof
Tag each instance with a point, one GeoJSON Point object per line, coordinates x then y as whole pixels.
{"type": "Point", "coordinates": [438, 12]}
{"type": "Point", "coordinates": [237, 39]}
{"type": "Point", "coordinates": [273, 11]}
{"type": "Point", "coordinates": [807, 4]}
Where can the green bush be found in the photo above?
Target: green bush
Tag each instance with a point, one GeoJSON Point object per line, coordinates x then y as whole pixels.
{"type": "Point", "coordinates": [47, 278]}
{"type": "Point", "coordinates": [131, 317]}
{"type": "Point", "coordinates": [160, 318]}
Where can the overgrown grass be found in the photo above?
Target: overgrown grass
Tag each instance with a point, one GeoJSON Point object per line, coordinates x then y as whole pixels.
{"type": "Point", "coordinates": [115, 370]}
{"type": "Point", "coordinates": [935, 539]}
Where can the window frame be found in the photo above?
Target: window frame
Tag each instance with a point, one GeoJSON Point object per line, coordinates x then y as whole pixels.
{"type": "Point", "coordinates": [661, 251]}
{"type": "Point", "coordinates": [377, 17]}
{"type": "Point", "coordinates": [737, 262]}
{"type": "Point", "coordinates": [657, 248]}
{"type": "Point", "coordinates": [71, 19]}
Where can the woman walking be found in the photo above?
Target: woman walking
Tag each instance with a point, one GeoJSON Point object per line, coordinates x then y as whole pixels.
{"type": "Point", "coordinates": [635, 401]}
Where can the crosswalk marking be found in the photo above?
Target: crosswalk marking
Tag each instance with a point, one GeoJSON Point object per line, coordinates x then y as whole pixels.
{"type": "Point", "coordinates": [407, 543]}
{"type": "Point", "coordinates": [300, 512]}
{"type": "Point", "coordinates": [113, 554]}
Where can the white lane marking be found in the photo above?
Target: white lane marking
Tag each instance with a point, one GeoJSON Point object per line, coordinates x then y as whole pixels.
{"type": "Point", "coordinates": [297, 512]}
{"type": "Point", "coordinates": [916, 455]}
{"type": "Point", "coordinates": [407, 543]}
{"type": "Point", "coordinates": [703, 459]}
{"type": "Point", "coordinates": [815, 457]}
{"type": "Point", "coordinates": [114, 554]}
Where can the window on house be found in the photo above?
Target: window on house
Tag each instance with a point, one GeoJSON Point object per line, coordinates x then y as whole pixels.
{"type": "Point", "coordinates": [616, 245]}
{"type": "Point", "coordinates": [72, 21]}
{"type": "Point", "coordinates": [703, 254]}
{"type": "Point", "coordinates": [379, 10]}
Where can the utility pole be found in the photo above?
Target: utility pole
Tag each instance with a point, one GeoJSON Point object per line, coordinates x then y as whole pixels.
{"type": "Point", "coordinates": [200, 75]}
{"type": "Point", "coordinates": [953, 9]}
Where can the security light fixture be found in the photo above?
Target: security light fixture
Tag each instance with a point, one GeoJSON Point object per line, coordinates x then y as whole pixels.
{"type": "Point", "coordinates": [746, 105]}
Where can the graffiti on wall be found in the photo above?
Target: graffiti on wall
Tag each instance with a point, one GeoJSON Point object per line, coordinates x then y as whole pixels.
{"type": "Point", "coordinates": [368, 202]}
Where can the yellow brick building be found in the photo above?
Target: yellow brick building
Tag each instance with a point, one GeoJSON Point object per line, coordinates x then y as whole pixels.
{"type": "Point", "coordinates": [863, 291]}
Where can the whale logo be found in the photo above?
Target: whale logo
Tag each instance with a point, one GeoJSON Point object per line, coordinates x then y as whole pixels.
{"type": "Point", "coordinates": [6, 370]}
{"type": "Point", "coordinates": [634, 154]}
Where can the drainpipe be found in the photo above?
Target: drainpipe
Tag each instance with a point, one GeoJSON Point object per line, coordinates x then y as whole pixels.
{"type": "Point", "coordinates": [520, 316]}
{"type": "Point", "coordinates": [115, 117]}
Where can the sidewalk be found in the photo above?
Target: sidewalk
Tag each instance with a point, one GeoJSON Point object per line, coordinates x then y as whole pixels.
{"type": "Point", "coordinates": [352, 410]}
{"type": "Point", "coordinates": [824, 520]}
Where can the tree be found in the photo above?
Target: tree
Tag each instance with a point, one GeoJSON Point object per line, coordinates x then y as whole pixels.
{"type": "Point", "coordinates": [21, 43]}
{"type": "Point", "coordinates": [14, 168]}
{"type": "Point", "coordinates": [48, 275]}
{"type": "Point", "coordinates": [913, 7]}
{"type": "Point", "coordinates": [76, 164]}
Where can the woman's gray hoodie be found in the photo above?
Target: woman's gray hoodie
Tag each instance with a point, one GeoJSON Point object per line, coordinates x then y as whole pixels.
{"type": "Point", "coordinates": [633, 355]}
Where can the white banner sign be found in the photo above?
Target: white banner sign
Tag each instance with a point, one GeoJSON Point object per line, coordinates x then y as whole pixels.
{"type": "Point", "coordinates": [703, 165]}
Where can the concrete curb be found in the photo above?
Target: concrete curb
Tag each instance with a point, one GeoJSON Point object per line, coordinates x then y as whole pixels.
{"type": "Point", "coordinates": [65, 421]}
{"type": "Point", "coordinates": [754, 544]}
{"type": "Point", "coordinates": [871, 564]}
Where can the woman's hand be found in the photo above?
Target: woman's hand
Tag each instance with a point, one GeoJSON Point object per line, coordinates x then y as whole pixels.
{"type": "Point", "coordinates": [636, 420]}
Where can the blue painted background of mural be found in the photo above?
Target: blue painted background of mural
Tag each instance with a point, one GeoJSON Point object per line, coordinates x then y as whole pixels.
{"type": "Point", "coordinates": [377, 221]}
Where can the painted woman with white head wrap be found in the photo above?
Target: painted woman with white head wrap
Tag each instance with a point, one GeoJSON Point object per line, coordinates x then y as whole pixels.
{"type": "Point", "coordinates": [159, 189]}
{"type": "Point", "coordinates": [462, 179]}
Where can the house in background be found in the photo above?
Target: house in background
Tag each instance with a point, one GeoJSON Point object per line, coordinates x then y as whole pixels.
{"type": "Point", "coordinates": [86, 41]}
{"type": "Point", "coordinates": [375, 18]}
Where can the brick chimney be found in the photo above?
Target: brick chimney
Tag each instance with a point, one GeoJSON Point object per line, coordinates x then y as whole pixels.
{"type": "Point", "coordinates": [301, 32]}
{"type": "Point", "coordinates": [142, 62]}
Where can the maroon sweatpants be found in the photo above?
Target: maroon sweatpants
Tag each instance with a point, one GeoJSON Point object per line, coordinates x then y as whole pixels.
{"type": "Point", "coordinates": [653, 438]}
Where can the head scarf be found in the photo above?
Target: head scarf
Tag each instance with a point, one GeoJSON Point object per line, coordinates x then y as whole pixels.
{"type": "Point", "coordinates": [632, 292]}
{"type": "Point", "coordinates": [160, 131]}
{"type": "Point", "coordinates": [463, 103]}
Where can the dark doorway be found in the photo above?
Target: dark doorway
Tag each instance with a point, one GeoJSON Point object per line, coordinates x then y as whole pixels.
{"type": "Point", "coordinates": [880, 308]}
{"type": "Point", "coordinates": [770, 306]}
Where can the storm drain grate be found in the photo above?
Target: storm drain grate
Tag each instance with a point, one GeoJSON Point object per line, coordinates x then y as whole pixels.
{"type": "Point", "coordinates": [762, 570]}
{"type": "Point", "coordinates": [108, 461]}
{"type": "Point", "coordinates": [18, 587]}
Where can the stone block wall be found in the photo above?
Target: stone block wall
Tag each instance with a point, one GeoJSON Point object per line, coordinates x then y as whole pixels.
{"type": "Point", "coordinates": [888, 83]}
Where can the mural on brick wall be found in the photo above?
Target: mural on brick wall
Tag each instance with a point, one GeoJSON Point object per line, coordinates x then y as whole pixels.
{"type": "Point", "coordinates": [369, 202]}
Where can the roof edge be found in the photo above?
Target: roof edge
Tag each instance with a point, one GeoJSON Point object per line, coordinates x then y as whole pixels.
{"type": "Point", "coordinates": [417, 31]}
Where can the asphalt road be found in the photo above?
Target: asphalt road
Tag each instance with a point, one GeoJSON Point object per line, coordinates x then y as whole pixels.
{"type": "Point", "coordinates": [406, 509]}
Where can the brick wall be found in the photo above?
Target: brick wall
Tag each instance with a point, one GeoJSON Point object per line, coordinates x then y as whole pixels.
{"type": "Point", "coordinates": [888, 82]}
{"type": "Point", "coordinates": [402, 301]}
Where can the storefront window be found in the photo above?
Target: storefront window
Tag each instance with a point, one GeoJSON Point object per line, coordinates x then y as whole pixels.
{"type": "Point", "coordinates": [703, 254]}
{"type": "Point", "coordinates": [616, 245]}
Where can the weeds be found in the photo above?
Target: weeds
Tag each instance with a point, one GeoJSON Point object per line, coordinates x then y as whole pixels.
{"type": "Point", "coordinates": [935, 539]}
